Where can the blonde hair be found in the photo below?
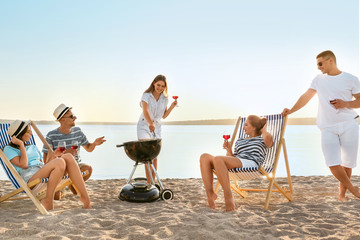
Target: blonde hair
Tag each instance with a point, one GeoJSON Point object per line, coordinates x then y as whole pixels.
{"type": "Point", "coordinates": [257, 122]}
{"type": "Point", "coordinates": [151, 88]}
{"type": "Point", "coordinates": [327, 54]}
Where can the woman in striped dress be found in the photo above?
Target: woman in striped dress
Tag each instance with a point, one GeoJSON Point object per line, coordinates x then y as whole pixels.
{"type": "Point", "coordinates": [249, 152]}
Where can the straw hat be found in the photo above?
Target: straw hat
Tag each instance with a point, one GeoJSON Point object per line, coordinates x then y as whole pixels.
{"type": "Point", "coordinates": [16, 127]}
{"type": "Point", "coordinates": [60, 111]}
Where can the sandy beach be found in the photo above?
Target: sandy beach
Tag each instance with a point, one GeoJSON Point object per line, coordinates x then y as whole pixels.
{"type": "Point", "coordinates": [314, 213]}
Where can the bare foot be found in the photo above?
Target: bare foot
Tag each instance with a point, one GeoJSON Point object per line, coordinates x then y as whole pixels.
{"type": "Point", "coordinates": [230, 205]}
{"type": "Point", "coordinates": [211, 197]}
{"type": "Point", "coordinates": [85, 201]}
{"type": "Point", "coordinates": [342, 199]}
{"type": "Point", "coordinates": [48, 204]}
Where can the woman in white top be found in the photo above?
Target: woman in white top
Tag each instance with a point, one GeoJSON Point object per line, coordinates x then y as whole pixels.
{"type": "Point", "coordinates": [154, 104]}
{"type": "Point", "coordinates": [249, 152]}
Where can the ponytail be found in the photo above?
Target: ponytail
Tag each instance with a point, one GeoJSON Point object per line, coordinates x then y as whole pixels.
{"type": "Point", "coordinates": [257, 122]}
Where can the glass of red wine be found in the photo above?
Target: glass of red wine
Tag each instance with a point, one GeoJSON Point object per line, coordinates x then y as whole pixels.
{"type": "Point", "coordinates": [226, 136]}
{"type": "Point", "coordinates": [74, 144]}
{"type": "Point", "coordinates": [175, 98]}
{"type": "Point", "coordinates": [61, 146]}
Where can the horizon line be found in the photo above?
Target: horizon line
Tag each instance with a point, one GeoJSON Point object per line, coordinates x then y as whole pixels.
{"type": "Point", "coordinates": [230, 121]}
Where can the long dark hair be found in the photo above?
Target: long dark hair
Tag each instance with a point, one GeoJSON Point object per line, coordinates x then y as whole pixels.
{"type": "Point", "coordinates": [21, 134]}
{"type": "Point", "coordinates": [151, 88]}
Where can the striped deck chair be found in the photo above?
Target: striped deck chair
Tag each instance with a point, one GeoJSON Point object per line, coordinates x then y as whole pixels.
{"type": "Point", "coordinates": [38, 186]}
{"type": "Point", "coordinates": [276, 127]}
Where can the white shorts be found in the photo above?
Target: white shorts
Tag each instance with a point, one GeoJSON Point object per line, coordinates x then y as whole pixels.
{"type": "Point", "coordinates": [248, 163]}
{"type": "Point", "coordinates": [340, 144]}
{"type": "Point", "coordinates": [143, 131]}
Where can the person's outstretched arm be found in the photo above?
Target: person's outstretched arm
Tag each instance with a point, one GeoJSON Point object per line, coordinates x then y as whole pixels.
{"type": "Point", "coordinates": [301, 102]}
{"type": "Point", "coordinates": [168, 110]}
{"type": "Point", "coordinates": [91, 146]}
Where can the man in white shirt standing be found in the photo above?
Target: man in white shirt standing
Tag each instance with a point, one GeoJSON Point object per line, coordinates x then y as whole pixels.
{"type": "Point", "coordinates": [338, 93]}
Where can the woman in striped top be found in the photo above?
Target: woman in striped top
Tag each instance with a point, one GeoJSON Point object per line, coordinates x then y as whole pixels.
{"type": "Point", "coordinates": [249, 152]}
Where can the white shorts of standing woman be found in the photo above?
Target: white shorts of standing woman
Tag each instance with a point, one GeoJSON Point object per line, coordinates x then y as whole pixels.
{"type": "Point", "coordinates": [143, 131]}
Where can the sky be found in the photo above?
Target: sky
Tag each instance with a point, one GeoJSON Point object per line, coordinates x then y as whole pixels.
{"type": "Point", "coordinates": [222, 58]}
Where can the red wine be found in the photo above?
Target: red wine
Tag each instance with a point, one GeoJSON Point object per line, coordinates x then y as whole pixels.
{"type": "Point", "coordinates": [175, 97]}
{"type": "Point", "coordinates": [61, 149]}
{"type": "Point", "coordinates": [226, 137]}
{"type": "Point", "coordinates": [74, 147]}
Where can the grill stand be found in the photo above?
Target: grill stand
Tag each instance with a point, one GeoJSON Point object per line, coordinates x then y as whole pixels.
{"type": "Point", "coordinates": [166, 194]}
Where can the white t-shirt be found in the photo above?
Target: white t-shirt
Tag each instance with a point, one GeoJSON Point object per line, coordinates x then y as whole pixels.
{"type": "Point", "coordinates": [342, 86]}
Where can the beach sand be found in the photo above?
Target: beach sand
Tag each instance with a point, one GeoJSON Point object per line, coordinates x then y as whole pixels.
{"type": "Point", "coordinates": [314, 213]}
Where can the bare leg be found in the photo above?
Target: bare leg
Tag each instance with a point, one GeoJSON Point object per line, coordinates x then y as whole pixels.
{"type": "Point", "coordinates": [73, 170]}
{"type": "Point", "coordinates": [340, 173]}
{"type": "Point", "coordinates": [152, 172]}
{"type": "Point", "coordinates": [221, 165]}
{"type": "Point", "coordinates": [206, 166]}
{"type": "Point", "coordinates": [54, 170]}
{"type": "Point", "coordinates": [343, 189]}
{"type": "Point", "coordinates": [83, 168]}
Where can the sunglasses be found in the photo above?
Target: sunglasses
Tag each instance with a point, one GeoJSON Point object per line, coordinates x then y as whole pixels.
{"type": "Point", "coordinates": [321, 63]}
{"type": "Point", "coordinates": [72, 116]}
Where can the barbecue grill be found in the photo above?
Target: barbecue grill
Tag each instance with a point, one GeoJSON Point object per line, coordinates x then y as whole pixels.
{"type": "Point", "coordinates": [143, 152]}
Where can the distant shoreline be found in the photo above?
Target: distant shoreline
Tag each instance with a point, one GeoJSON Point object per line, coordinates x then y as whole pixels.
{"type": "Point", "coordinates": [291, 121]}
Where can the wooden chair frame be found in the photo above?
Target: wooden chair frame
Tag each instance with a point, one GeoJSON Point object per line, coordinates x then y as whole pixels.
{"type": "Point", "coordinates": [287, 192]}
{"type": "Point", "coordinates": [27, 188]}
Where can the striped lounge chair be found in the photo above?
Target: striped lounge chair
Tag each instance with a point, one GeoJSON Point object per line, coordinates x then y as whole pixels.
{"type": "Point", "coordinates": [35, 190]}
{"type": "Point", "coordinates": [276, 127]}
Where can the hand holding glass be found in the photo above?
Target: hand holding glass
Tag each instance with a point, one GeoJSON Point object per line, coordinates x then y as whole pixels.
{"type": "Point", "coordinates": [175, 98]}
{"type": "Point", "coordinates": [226, 137]}
{"type": "Point", "coordinates": [74, 144]}
{"type": "Point", "coordinates": [61, 146]}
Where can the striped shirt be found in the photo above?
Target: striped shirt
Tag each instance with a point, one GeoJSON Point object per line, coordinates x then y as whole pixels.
{"type": "Point", "coordinates": [55, 136]}
{"type": "Point", "coordinates": [251, 149]}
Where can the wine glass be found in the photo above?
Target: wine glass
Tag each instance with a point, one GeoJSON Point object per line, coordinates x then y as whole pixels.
{"type": "Point", "coordinates": [226, 136]}
{"type": "Point", "coordinates": [74, 144]}
{"type": "Point", "coordinates": [61, 146]}
{"type": "Point", "coordinates": [175, 98]}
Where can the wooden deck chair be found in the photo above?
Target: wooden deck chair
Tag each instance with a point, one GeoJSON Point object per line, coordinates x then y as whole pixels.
{"type": "Point", "coordinates": [276, 127]}
{"type": "Point", "coordinates": [38, 186]}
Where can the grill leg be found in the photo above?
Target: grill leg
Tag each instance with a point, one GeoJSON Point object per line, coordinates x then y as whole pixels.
{"type": "Point", "coordinates": [157, 176]}
{"type": "Point", "coordinates": [132, 173]}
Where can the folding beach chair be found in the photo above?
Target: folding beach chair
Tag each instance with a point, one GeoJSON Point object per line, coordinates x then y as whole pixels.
{"type": "Point", "coordinates": [39, 185]}
{"type": "Point", "coordinates": [276, 127]}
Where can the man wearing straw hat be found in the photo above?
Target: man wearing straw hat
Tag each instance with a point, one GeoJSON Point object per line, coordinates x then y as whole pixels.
{"type": "Point", "coordinates": [338, 93]}
{"type": "Point", "coordinates": [73, 138]}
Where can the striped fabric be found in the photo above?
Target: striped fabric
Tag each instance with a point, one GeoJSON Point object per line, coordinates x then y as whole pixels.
{"type": "Point", "coordinates": [274, 127]}
{"type": "Point", "coordinates": [5, 140]}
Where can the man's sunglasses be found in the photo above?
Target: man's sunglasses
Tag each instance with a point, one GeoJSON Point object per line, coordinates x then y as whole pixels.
{"type": "Point", "coordinates": [321, 63]}
{"type": "Point", "coordinates": [72, 116]}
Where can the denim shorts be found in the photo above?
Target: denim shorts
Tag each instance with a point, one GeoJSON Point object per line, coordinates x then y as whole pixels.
{"type": "Point", "coordinates": [27, 173]}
